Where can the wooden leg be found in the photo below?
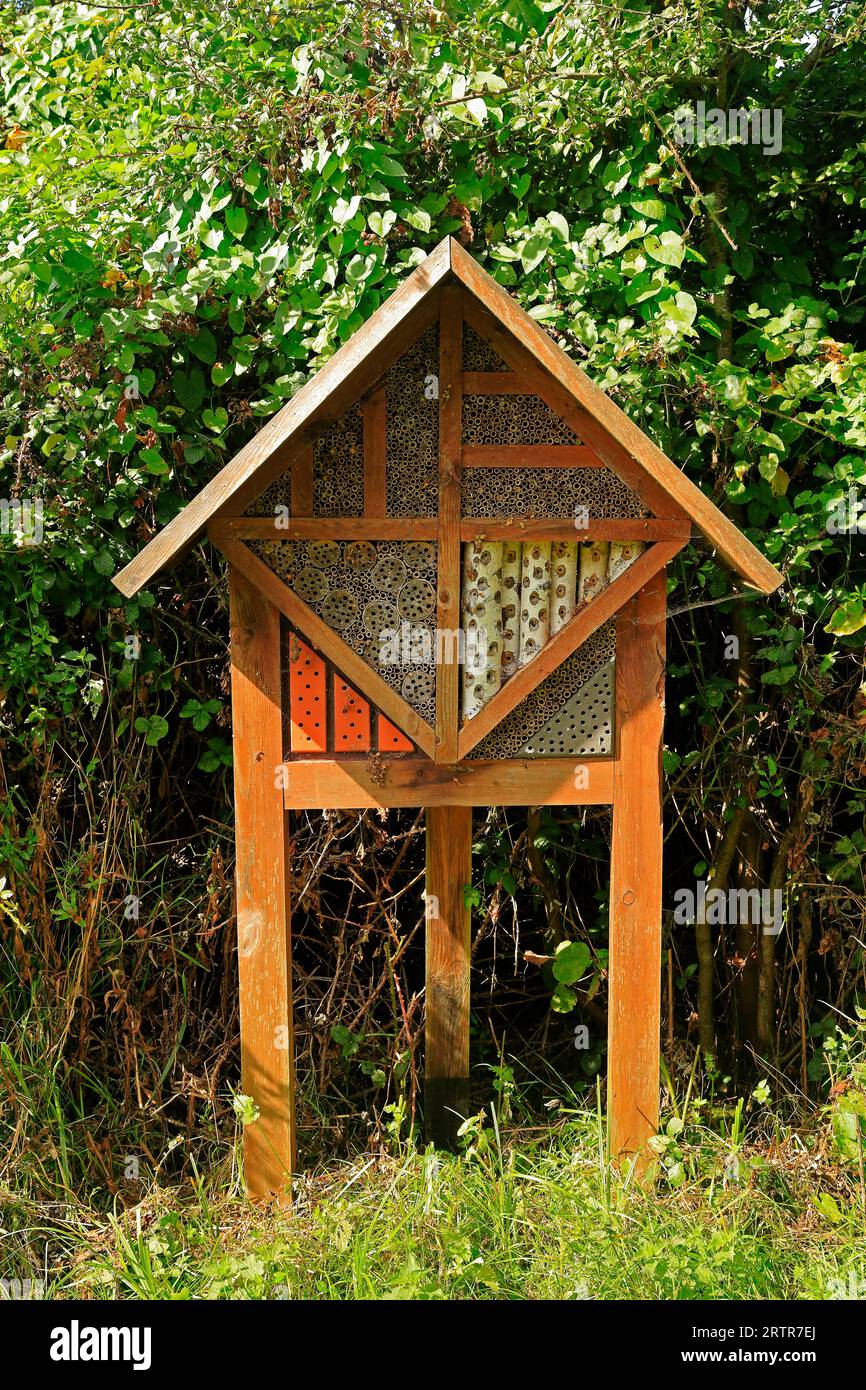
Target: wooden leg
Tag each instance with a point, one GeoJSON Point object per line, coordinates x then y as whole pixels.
{"type": "Point", "coordinates": [634, 1018]}
{"type": "Point", "coordinates": [262, 877]}
{"type": "Point", "coordinates": [449, 869]}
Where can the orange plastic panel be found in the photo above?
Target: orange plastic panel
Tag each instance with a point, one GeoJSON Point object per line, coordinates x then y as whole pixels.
{"type": "Point", "coordinates": [351, 719]}
{"type": "Point", "coordinates": [391, 740]}
{"type": "Point", "coordinates": [307, 699]}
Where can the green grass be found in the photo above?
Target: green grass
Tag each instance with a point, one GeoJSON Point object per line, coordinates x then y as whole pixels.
{"type": "Point", "coordinates": [745, 1208]}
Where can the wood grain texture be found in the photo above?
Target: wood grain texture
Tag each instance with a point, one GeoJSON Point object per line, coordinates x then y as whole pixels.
{"type": "Point", "coordinates": [302, 483]}
{"type": "Point", "coordinates": [375, 450]}
{"type": "Point", "coordinates": [330, 644]}
{"type": "Point", "coordinates": [353, 369]}
{"type": "Point", "coordinates": [262, 891]}
{"type": "Point", "coordinates": [585, 621]}
{"type": "Point", "coordinates": [530, 456]}
{"type": "Point", "coordinates": [494, 384]}
{"type": "Point", "coordinates": [634, 1011]}
{"type": "Point", "coordinates": [422, 528]}
{"type": "Point", "coordinates": [446, 1015]}
{"type": "Point", "coordinates": [356, 784]}
{"type": "Point", "coordinates": [448, 577]}
{"type": "Point", "coordinates": [527, 528]}
{"type": "Point", "coordinates": [737, 551]}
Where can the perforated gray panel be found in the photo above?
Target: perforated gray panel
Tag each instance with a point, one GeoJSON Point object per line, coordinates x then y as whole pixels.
{"type": "Point", "coordinates": [548, 701]}
{"type": "Point", "coordinates": [365, 591]}
{"type": "Point", "coordinates": [583, 726]}
{"type": "Point", "coordinates": [412, 430]}
{"type": "Point", "coordinates": [546, 492]}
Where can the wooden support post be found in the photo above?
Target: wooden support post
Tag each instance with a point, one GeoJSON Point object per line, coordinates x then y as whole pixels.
{"type": "Point", "coordinates": [449, 869]}
{"type": "Point", "coordinates": [634, 1018]}
{"type": "Point", "coordinates": [262, 879]}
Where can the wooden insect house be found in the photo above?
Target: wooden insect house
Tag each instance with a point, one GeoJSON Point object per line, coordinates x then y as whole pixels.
{"type": "Point", "coordinates": [447, 561]}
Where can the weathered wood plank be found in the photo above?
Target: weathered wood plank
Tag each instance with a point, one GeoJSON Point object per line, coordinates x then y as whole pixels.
{"type": "Point", "coordinates": [422, 528]}
{"type": "Point", "coordinates": [375, 448]}
{"type": "Point", "coordinates": [495, 384]}
{"type": "Point", "coordinates": [324, 784]}
{"type": "Point", "coordinates": [262, 890]}
{"type": "Point", "coordinates": [448, 948]}
{"type": "Point", "coordinates": [302, 483]}
{"type": "Point", "coordinates": [634, 1014]}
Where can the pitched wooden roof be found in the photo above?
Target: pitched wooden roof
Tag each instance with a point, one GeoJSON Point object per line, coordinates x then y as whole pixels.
{"type": "Point", "coordinates": [359, 363]}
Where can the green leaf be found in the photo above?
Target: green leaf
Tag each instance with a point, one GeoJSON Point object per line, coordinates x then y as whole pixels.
{"type": "Point", "coordinates": [236, 221]}
{"type": "Point", "coordinates": [645, 286]}
{"type": "Point", "coordinates": [271, 260]}
{"type": "Point", "coordinates": [533, 251]}
{"type": "Point", "coordinates": [780, 675]}
{"type": "Point", "coordinates": [203, 346]}
{"type": "Point", "coordinates": [417, 218]}
{"type": "Point", "coordinates": [563, 1000]}
{"type": "Point", "coordinates": [559, 225]}
{"type": "Point", "coordinates": [649, 207]}
{"type": "Point", "coordinates": [667, 248]}
{"type": "Point", "coordinates": [154, 729]}
{"type": "Point", "coordinates": [189, 387]}
{"type": "Point", "coordinates": [215, 420]}
{"type": "Point", "coordinates": [571, 962]}
{"type": "Point", "coordinates": [381, 222]}
{"type": "Point", "coordinates": [359, 268]}
{"type": "Point", "coordinates": [477, 108]}
{"type": "Point", "coordinates": [681, 310]}
{"type": "Point", "coordinates": [51, 444]}
{"type": "Point", "coordinates": [849, 617]}
{"type": "Point", "coordinates": [344, 210]}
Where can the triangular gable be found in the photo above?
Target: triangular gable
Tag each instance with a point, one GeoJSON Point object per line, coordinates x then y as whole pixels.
{"type": "Point", "coordinates": [524, 345]}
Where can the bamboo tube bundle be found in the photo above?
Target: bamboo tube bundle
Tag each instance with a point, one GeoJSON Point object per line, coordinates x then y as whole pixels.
{"type": "Point", "coordinates": [534, 599]}
{"type": "Point", "coordinates": [481, 611]}
{"type": "Point", "coordinates": [563, 583]}
{"type": "Point", "coordinates": [510, 607]}
{"type": "Point", "coordinates": [593, 569]}
{"type": "Point", "coordinates": [622, 554]}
